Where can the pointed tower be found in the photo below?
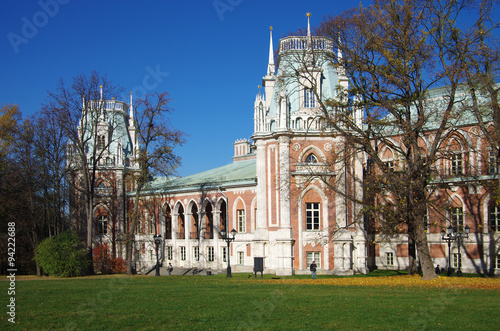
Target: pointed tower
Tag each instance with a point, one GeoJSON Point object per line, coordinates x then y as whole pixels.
{"type": "Point", "coordinates": [269, 79]}
{"type": "Point", "coordinates": [295, 164]}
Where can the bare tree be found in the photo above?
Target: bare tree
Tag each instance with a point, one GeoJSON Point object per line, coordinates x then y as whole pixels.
{"type": "Point", "coordinates": [81, 111]}
{"type": "Point", "coordinates": [399, 75]}
{"type": "Point", "coordinates": [155, 156]}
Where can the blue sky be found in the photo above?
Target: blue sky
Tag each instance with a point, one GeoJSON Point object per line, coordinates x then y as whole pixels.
{"type": "Point", "coordinates": [210, 55]}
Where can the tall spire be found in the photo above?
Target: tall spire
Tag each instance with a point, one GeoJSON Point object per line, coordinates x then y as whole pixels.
{"type": "Point", "coordinates": [131, 112]}
{"type": "Point", "coordinates": [101, 90]}
{"type": "Point", "coordinates": [270, 66]}
{"type": "Point", "coordinates": [308, 25]}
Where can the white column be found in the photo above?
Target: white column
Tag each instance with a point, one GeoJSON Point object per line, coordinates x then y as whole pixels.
{"type": "Point", "coordinates": [261, 233]}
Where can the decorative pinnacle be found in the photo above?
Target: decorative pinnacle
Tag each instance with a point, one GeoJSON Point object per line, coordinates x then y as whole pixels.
{"type": "Point", "coordinates": [308, 14]}
{"type": "Point", "coordinates": [271, 28]}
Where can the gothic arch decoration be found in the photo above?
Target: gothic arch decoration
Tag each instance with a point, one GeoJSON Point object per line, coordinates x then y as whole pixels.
{"type": "Point", "coordinates": [323, 211]}
{"type": "Point", "coordinates": [320, 155]}
{"type": "Point", "coordinates": [455, 212]}
{"type": "Point", "coordinates": [102, 219]}
{"type": "Point", "coordinates": [193, 216]}
{"type": "Point", "coordinates": [208, 219]}
{"type": "Point", "coordinates": [221, 209]}
{"type": "Point", "coordinates": [167, 220]}
{"type": "Point", "coordinates": [179, 215]}
{"type": "Point", "coordinates": [455, 147]}
{"type": "Point", "coordinates": [239, 204]}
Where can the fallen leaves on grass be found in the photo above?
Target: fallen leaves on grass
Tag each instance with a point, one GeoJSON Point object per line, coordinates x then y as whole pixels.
{"type": "Point", "coordinates": [446, 282]}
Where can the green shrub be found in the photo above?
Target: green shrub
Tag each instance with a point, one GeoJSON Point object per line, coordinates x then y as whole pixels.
{"type": "Point", "coordinates": [61, 256]}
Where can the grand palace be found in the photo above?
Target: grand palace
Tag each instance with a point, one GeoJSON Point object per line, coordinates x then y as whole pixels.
{"type": "Point", "coordinates": [287, 201]}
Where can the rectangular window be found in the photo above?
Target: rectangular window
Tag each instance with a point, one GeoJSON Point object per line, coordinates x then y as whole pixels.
{"type": "Point", "coordinates": [454, 260]}
{"type": "Point", "coordinates": [151, 255]}
{"type": "Point", "coordinates": [390, 165]}
{"type": "Point", "coordinates": [169, 252]}
{"type": "Point", "coordinates": [101, 142]}
{"type": "Point", "coordinates": [493, 166]}
{"type": "Point", "coordinates": [312, 216]}
{"type": "Point", "coordinates": [497, 262]}
{"type": "Point", "coordinates": [389, 258]}
{"type": "Point", "coordinates": [456, 164]}
{"type": "Point", "coordinates": [138, 226]}
{"type": "Point", "coordinates": [309, 99]}
{"type": "Point", "coordinates": [102, 224]}
{"type": "Point", "coordinates": [151, 224]}
{"type": "Point", "coordinates": [494, 219]}
{"type": "Point", "coordinates": [426, 223]}
{"type": "Point", "coordinates": [313, 256]}
{"type": "Point", "coordinates": [196, 253]}
{"type": "Point", "coordinates": [241, 221]}
{"type": "Point", "coordinates": [241, 258]}
{"type": "Point", "coordinates": [457, 218]}
{"type": "Point", "coordinates": [224, 254]}
{"type": "Point", "coordinates": [210, 253]}
{"type": "Point", "coordinates": [183, 253]}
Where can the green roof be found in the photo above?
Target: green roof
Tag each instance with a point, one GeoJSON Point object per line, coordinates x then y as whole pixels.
{"type": "Point", "coordinates": [240, 173]}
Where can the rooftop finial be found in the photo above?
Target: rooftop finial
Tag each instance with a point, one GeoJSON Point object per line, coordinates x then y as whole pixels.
{"type": "Point", "coordinates": [131, 112]}
{"type": "Point", "coordinates": [308, 25]}
{"type": "Point", "coordinates": [270, 65]}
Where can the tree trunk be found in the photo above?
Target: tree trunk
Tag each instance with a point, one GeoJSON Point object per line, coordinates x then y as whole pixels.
{"type": "Point", "coordinates": [412, 261]}
{"type": "Point", "coordinates": [424, 254]}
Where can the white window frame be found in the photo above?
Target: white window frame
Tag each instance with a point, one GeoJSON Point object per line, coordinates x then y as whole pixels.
{"type": "Point", "coordinates": [196, 253]}
{"type": "Point", "coordinates": [457, 219]}
{"type": "Point", "coordinates": [313, 256]}
{"type": "Point", "coordinates": [313, 216]}
{"type": "Point", "coordinates": [102, 224]}
{"type": "Point", "coordinates": [211, 253]}
{"type": "Point", "coordinates": [224, 253]}
{"type": "Point", "coordinates": [183, 253]}
{"type": "Point", "coordinates": [170, 254]}
{"type": "Point", "coordinates": [492, 164]}
{"type": "Point", "coordinates": [242, 228]}
{"type": "Point", "coordinates": [457, 164]}
{"type": "Point", "coordinates": [309, 98]}
{"type": "Point", "coordinates": [151, 224]}
{"type": "Point", "coordinates": [389, 258]}
{"type": "Point", "coordinates": [241, 257]}
{"type": "Point", "coordinates": [494, 219]}
{"type": "Point", "coordinates": [454, 260]}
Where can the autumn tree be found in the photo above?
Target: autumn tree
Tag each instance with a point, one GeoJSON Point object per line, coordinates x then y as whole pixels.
{"type": "Point", "coordinates": [156, 142]}
{"type": "Point", "coordinates": [403, 78]}
{"type": "Point", "coordinates": [80, 110]}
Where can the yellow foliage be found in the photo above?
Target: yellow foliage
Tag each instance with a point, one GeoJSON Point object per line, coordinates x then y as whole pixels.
{"type": "Point", "coordinates": [401, 281]}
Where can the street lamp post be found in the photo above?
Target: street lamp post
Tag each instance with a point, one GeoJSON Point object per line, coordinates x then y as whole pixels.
{"type": "Point", "coordinates": [157, 238]}
{"type": "Point", "coordinates": [226, 236]}
{"type": "Point", "coordinates": [453, 235]}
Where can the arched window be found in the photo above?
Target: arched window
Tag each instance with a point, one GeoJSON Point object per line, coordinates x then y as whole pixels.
{"type": "Point", "coordinates": [311, 158]}
{"type": "Point", "coordinates": [102, 224]}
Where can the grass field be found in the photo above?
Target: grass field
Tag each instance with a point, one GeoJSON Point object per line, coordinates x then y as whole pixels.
{"type": "Point", "coordinates": [245, 303]}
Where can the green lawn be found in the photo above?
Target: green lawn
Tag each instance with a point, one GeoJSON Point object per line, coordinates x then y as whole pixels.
{"type": "Point", "coordinates": [218, 303]}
